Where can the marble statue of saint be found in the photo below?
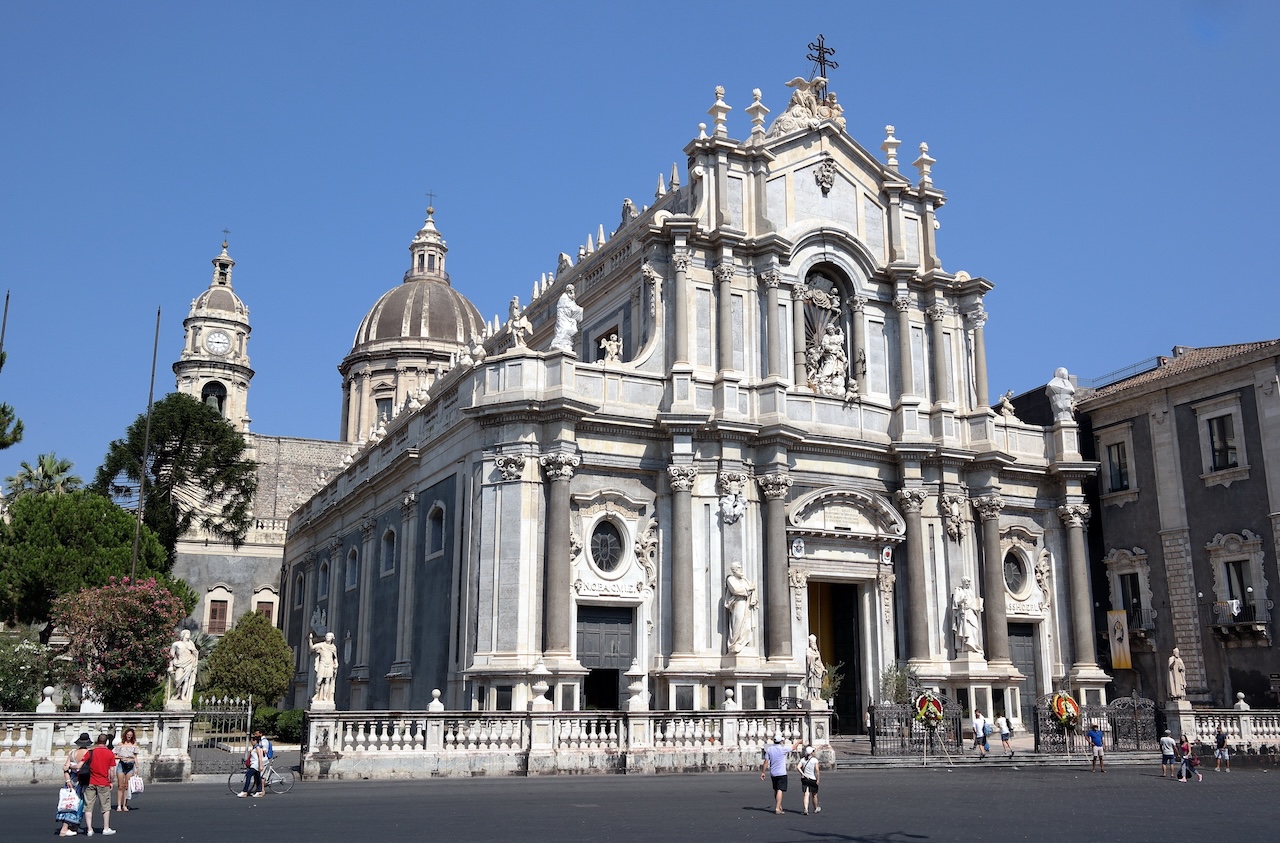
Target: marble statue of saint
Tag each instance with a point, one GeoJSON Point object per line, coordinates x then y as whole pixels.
{"type": "Point", "coordinates": [1060, 392]}
{"type": "Point", "coordinates": [965, 606]}
{"type": "Point", "coordinates": [477, 349]}
{"type": "Point", "coordinates": [326, 665]}
{"type": "Point", "coordinates": [815, 670]}
{"type": "Point", "coordinates": [1006, 405]}
{"type": "Point", "coordinates": [739, 598]}
{"type": "Point", "coordinates": [828, 362]}
{"type": "Point", "coordinates": [568, 318]}
{"type": "Point", "coordinates": [612, 347]}
{"type": "Point", "coordinates": [184, 659]}
{"type": "Point", "coordinates": [1177, 676]}
{"type": "Point", "coordinates": [518, 323]}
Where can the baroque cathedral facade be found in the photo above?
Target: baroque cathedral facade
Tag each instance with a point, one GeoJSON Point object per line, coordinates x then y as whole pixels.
{"type": "Point", "coordinates": [756, 412]}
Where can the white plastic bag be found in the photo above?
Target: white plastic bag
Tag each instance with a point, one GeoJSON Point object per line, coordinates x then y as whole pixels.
{"type": "Point", "coordinates": [135, 786]}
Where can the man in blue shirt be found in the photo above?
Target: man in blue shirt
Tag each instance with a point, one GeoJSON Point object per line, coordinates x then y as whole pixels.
{"type": "Point", "coordinates": [775, 766]}
{"type": "Point", "coordinates": [1095, 737]}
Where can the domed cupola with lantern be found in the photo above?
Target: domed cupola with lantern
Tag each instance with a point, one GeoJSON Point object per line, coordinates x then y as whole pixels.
{"type": "Point", "coordinates": [408, 339]}
{"type": "Point", "coordinates": [214, 366]}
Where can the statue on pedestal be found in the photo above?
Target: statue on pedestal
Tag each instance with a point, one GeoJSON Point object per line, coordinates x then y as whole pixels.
{"type": "Point", "coordinates": [740, 598]}
{"type": "Point", "coordinates": [326, 666]}
{"type": "Point", "coordinates": [1177, 676]}
{"type": "Point", "coordinates": [184, 659]}
{"type": "Point", "coordinates": [1061, 394]}
{"type": "Point", "coordinates": [517, 323]}
{"type": "Point", "coordinates": [965, 606]}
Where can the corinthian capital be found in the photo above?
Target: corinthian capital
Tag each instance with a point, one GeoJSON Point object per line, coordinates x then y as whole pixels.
{"type": "Point", "coordinates": [937, 312]}
{"type": "Point", "coordinates": [857, 303]}
{"type": "Point", "coordinates": [511, 465]}
{"type": "Point", "coordinates": [799, 291]}
{"type": "Point", "coordinates": [902, 304]}
{"type": "Point", "coordinates": [771, 278]}
{"type": "Point", "coordinates": [682, 477]}
{"type": "Point", "coordinates": [774, 486]}
{"type": "Point", "coordinates": [680, 261]}
{"type": "Point", "coordinates": [1073, 514]}
{"type": "Point", "coordinates": [724, 272]}
{"type": "Point", "coordinates": [559, 466]}
{"type": "Point", "coordinates": [977, 318]}
{"type": "Point", "coordinates": [911, 500]}
{"type": "Point", "coordinates": [988, 507]}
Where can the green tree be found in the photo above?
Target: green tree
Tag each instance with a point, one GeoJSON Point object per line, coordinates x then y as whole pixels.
{"type": "Point", "coordinates": [197, 473]}
{"type": "Point", "coordinates": [50, 475]}
{"type": "Point", "coordinates": [119, 636]}
{"type": "Point", "coordinates": [251, 659]}
{"type": "Point", "coordinates": [26, 666]}
{"type": "Point", "coordinates": [58, 544]}
{"type": "Point", "coordinates": [10, 424]}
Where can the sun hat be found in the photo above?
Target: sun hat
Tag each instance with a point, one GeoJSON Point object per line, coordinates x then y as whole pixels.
{"type": "Point", "coordinates": [777, 737]}
{"type": "Point", "coordinates": [84, 741]}
{"type": "Point", "coordinates": [808, 750]}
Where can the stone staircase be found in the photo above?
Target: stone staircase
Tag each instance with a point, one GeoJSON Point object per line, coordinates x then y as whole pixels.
{"type": "Point", "coordinates": [854, 753]}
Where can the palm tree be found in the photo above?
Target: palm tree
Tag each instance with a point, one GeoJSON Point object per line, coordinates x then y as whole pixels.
{"type": "Point", "coordinates": [50, 475]}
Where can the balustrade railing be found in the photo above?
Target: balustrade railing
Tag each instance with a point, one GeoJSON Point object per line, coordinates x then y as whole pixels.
{"type": "Point", "coordinates": [26, 735]}
{"type": "Point", "coordinates": [1243, 728]}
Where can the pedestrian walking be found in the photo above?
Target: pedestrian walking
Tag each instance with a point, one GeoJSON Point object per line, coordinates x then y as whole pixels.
{"type": "Point", "coordinates": [810, 775]}
{"type": "Point", "coordinates": [1167, 749]}
{"type": "Point", "coordinates": [981, 731]}
{"type": "Point", "coordinates": [100, 761]}
{"type": "Point", "coordinates": [775, 766]}
{"type": "Point", "coordinates": [1221, 753]}
{"type": "Point", "coordinates": [71, 820]}
{"type": "Point", "coordinates": [1006, 732]}
{"type": "Point", "coordinates": [1189, 762]}
{"type": "Point", "coordinates": [252, 772]}
{"type": "Point", "coordinates": [126, 753]}
{"type": "Point", "coordinates": [1095, 738]}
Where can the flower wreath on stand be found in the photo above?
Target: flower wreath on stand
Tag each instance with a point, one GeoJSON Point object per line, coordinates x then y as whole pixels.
{"type": "Point", "coordinates": [928, 710]}
{"type": "Point", "coordinates": [1066, 710]}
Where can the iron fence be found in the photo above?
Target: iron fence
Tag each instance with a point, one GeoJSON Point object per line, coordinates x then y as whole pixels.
{"type": "Point", "coordinates": [895, 731]}
{"type": "Point", "coordinates": [219, 735]}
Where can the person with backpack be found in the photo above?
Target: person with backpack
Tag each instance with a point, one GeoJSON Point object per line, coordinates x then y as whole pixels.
{"type": "Point", "coordinates": [809, 775]}
{"type": "Point", "coordinates": [99, 761]}
{"type": "Point", "coordinates": [253, 763]}
{"type": "Point", "coordinates": [981, 731]}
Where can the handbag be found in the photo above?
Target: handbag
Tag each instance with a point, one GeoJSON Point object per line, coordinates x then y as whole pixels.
{"type": "Point", "coordinates": [135, 785]}
{"type": "Point", "coordinates": [68, 800]}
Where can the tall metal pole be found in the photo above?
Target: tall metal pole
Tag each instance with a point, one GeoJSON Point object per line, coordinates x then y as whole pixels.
{"type": "Point", "coordinates": [146, 447]}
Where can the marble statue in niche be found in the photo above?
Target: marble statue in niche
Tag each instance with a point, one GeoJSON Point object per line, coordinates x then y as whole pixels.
{"type": "Point", "coordinates": [965, 606]}
{"type": "Point", "coordinates": [740, 598]}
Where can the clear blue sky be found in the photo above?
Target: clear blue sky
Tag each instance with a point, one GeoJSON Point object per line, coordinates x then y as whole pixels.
{"type": "Point", "coordinates": [1107, 164]}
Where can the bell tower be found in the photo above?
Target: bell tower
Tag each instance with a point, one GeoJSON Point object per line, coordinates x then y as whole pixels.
{"type": "Point", "coordinates": [214, 365]}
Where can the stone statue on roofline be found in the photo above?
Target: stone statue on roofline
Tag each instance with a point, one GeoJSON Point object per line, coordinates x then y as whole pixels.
{"type": "Point", "coordinates": [568, 320]}
{"type": "Point", "coordinates": [1061, 394]}
{"type": "Point", "coordinates": [517, 323]}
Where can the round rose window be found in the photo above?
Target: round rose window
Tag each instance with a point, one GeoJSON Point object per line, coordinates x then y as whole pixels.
{"type": "Point", "coordinates": [606, 546]}
{"type": "Point", "coordinates": [1015, 575]}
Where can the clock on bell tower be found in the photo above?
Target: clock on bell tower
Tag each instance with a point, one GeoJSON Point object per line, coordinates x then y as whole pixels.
{"type": "Point", "coordinates": [214, 365]}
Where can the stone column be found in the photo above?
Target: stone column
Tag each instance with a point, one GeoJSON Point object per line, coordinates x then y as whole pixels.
{"type": "Point", "coordinates": [682, 478]}
{"type": "Point", "coordinates": [903, 305]}
{"type": "Point", "coordinates": [680, 262]}
{"type": "Point", "coordinates": [911, 501]}
{"type": "Point", "coordinates": [408, 567]}
{"type": "Point", "coordinates": [771, 279]}
{"type": "Point", "coordinates": [359, 676]}
{"type": "Point", "coordinates": [337, 582]}
{"type": "Point", "coordinates": [941, 374]}
{"type": "Point", "coordinates": [978, 318]}
{"type": "Point", "coordinates": [858, 362]}
{"type": "Point", "coordinates": [724, 287]}
{"type": "Point", "coordinates": [777, 594]}
{"type": "Point", "coordinates": [1073, 518]}
{"type": "Point", "coordinates": [799, 293]}
{"type": "Point", "coordinates": [556, 562]}
{"type": "Point", "coordinates": [994, 610]}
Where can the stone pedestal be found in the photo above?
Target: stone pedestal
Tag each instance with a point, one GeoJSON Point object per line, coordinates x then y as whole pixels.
{"type": "Point", "coordinates": [322, 706]}
{"type": "Point", "coordinates": [171, 762]}
{"type": "Point", "coordinates": [176, 705]}
{"type": "Point", "coordinates": [1181, 717]}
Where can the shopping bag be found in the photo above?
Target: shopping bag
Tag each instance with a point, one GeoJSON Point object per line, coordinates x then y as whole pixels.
{"type": "Point", "coordinates": [135, 786]}
{"type": "Point", "coordinates": [68, 800]}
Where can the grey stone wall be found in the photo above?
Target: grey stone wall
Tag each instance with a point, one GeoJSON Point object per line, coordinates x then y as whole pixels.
{"type": "Point", "coordinates": [288, 468]}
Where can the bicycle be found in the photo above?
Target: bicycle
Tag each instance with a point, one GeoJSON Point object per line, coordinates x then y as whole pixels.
{"type": "Point", "coordinates": [277, 781]}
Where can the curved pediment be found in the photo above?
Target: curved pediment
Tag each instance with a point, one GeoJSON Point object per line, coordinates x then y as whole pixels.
{"type": "Point", "coordinates": [845, 511]}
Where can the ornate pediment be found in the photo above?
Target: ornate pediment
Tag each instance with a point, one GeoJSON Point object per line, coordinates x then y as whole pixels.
{"type": "Point", "coordinates": [843, 511]}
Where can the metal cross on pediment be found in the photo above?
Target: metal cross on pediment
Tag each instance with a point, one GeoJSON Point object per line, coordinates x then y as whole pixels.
{"type": "Point", "coordinates": [820, 54]}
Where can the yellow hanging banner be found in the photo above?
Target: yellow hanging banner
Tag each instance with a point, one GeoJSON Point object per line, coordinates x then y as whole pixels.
{"type": "Point", "coordinates": [1118, 634]}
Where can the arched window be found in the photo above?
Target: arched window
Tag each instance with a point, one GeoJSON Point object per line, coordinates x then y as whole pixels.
{"type": "Point", "coordinates": [322, 583]}
{"type": "Point", "coordinates": [214, 395]}
{"type": "Point", "coordinates": [298, 584]}
{"type": "Point", "coordinates": [435, 532]}
{"type": "Point", "coordinates": [353, 569]}
{"type": "Point", "coordinates": [388, 551]}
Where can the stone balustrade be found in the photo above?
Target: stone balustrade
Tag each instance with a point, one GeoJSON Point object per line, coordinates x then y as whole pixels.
{"type": "Point", "coordinates": [1256, 728]}
{"type": "Point", "coordinates": [34, 747]}
{"type": "Point", "coordinates": [366, 744]}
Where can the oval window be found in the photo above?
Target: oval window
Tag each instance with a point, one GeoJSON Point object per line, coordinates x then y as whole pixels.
{"type": "Point", "coordinates": [606, 546]}
{"type": "Point", "coordinates": [1015, 575]}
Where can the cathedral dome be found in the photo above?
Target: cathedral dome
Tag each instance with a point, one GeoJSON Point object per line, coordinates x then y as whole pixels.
{"type": "Point", "coordinates": [220, 298]}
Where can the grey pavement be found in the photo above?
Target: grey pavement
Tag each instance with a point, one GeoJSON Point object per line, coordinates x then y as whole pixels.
{"type": "Point", "coordinates": [871, 806]}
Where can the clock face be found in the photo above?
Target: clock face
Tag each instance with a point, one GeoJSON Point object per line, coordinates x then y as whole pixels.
{"type": "Point", "coordinates": [218, 342]}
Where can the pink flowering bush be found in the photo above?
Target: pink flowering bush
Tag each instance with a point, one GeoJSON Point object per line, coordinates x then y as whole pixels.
{"type": "Point", "coordinates": [119, 638]}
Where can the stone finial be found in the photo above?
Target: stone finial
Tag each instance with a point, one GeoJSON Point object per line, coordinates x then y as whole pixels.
{"type": "Point", "coordinates": [719, 111]}
{"type": "Point", "coordinates": [890, 147]}
{"type": "Point", "coordinates": [925, 165]}
{"type": "Point", "coordinates": [702, 131]}
{"type": "Point", "coordinates": [435, 704]}
{"type": "Point", "coordinates": [757, 111]}
{"type": "Point", "coordinates": [600, 235]}
{"type": "Point", "coordinates": [675, 178]}
{"type": "Point", "coordinates": [662, 188]}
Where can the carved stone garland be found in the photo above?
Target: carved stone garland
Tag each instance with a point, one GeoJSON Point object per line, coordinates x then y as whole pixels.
{"type": "Point", "coordinates": [953, 515]}
{"type": "Point", "coordinates": [799, 580]}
